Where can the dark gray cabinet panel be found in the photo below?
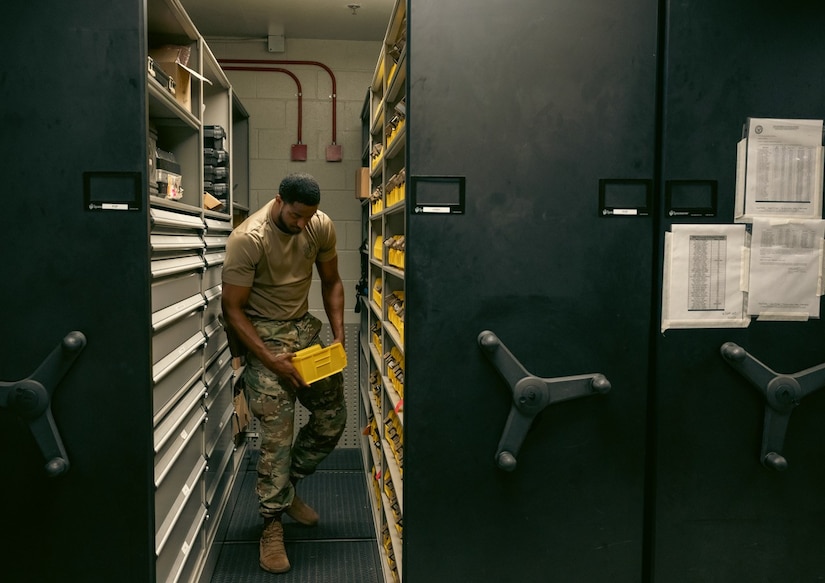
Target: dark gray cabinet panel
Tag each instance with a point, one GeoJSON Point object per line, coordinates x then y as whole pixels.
{"type": "Point", "coordinates": [130, 410]}
{"type": "Point", "coordinates": [65, 99]}
{"type": "Point", "coordinates": [541, 111]}
{"type": "Point", "coordinates": [533, 108]}
{"type": "Point", "coordinates": [720, 515]}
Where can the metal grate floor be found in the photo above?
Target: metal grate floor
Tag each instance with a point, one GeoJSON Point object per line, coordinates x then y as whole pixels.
{"type": "Point", "coordinates": [341, 549]}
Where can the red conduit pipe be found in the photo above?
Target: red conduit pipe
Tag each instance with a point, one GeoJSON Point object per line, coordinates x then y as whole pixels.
{"type": "Point", "coordinates": [282, 62]}
{"type": "Point", "coordinates": [278, 70]}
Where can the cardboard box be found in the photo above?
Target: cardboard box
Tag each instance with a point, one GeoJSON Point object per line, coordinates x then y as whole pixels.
{"type": "Point", "coordinates": [241, 417]}
{"type": "Point", "coordinates": [174, 61]}
{"type": "Point", "coordinates": [211, 203]}
{"type": "Point", "coordinates": [362, 183]}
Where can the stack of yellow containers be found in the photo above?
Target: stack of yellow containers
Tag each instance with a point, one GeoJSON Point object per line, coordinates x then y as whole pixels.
{"type": "Point", "coordinates": [378, 249]}
{"type": "Point", "coordinates": [377, 289]}
{"type": "Point", "coordinates": [395, 310]}
{"type": "Point", "coordinates": [393, 432]}
{"type": "Point", "coordinates": [396, 247]}
{"type": "Point", "coordinates": [395, 370]}
{"type": "Point", "coordinates": [396, 188]}
{"type": "Point", "coordinates": [386, 542]}
{"type": "Point", "coordinates": [377, 200]}
{"type": "Point", "coordinates": [376, 387]}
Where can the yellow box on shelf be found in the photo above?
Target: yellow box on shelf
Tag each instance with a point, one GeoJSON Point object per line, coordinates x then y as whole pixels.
{"type": "Point", "coordinates": [397, 384]}
{"type": "Point", "coordinates": [396, 321]}
{"type": "Point", "coordinates": [394, 133]}
{"type": "Point", "coordinates": [376, 388]}
{"type": "Point", "coordinates": [377, 287]}
{"type": "Point", "coordinates": [316, 363]}
{"type": "Point", "coordinates": [376, 487]}
{"type": "Point", "coordinates": [378, 78]}
{"type": "Point", "coordinates": [378, 249]}
{"type": "Point", "coordinates": [395, 187]}
{"type": "Point", "coordinates": [376, 161]}
{"type": "Point", "coordinates": [396, 258]}
{"type": "Point", "coordinates": [395, 196]}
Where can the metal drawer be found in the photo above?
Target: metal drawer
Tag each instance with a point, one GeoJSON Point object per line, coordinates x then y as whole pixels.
{"type": "Point", "coordinates": [173, 550]}
{"type": "Point", "coordinates": [217, 368]}
{"type": "Point", "coordinates": [212, 275]}
{"type": "Point", "coordinates": [214, 242]}
{"type": "Point", "coordinates": [165, 267]}
{"type": "Point", "coordinates": [218, 486]}
{"type": "Point", "coordinates": [171, 290]}
{"type": "Point", "coordinates": [175, 373]}
{"type": "Point", "coordinates": [175, 244]}
{"type": "Point", "coordinates": [167, 316]}
{"type": "Point", "coordinates": [170, 338]}
{"type": "Point", "coordinates": [193, 561]}
{"type": "Point", "coordinates": [218, 227]}
{"type": "Point", "coordinates": [170, 454]}
{"type": "Point", "coordinates": [221, 384]}
{"type": "Point", "coordinates": [179, 459]}
{"type": "Point", "coordinates": [218, 461]}
{"type": "Point", "coordinates": [216, 340]}
{"type": "Point", "coordinates": [213, 304]}
{"type": "Point", "coordinates": [219, 412]}
{"type": "Point", "coordinates": [160, 219]}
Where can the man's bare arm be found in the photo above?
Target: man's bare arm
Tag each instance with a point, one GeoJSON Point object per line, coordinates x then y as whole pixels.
{"type": "Point", "coordinates": [332, 292]}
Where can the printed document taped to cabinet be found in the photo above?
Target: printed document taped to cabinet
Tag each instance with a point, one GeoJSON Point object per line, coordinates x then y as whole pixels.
{"type": "Point", "coordinates": [786, 269]}
{"type": "Point", "coordinates": [703, 277]}
{"type": "Point", "coordinates": [779, 169]}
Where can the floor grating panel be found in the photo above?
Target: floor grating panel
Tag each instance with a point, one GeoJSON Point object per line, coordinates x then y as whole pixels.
{"type": "Point", "coordinates": [312, 562]}
{"type": "Point", "coordinates": [341, 549]}
{"type": "Point", "coordinates": [340, 498]}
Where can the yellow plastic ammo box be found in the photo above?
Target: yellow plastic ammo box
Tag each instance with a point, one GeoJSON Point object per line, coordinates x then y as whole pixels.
{"type": "Point", "coordinates": [316, 363]}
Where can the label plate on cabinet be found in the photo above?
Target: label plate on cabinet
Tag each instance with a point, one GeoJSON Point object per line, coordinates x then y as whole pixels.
{"type": "Point", "coordinates": [443, 195]}
{"type": "Point", "coordinates": [112, 191]}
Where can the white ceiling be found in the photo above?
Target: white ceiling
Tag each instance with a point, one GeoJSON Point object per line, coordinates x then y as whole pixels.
{"type": "Point", "coordinates": [311, 19]}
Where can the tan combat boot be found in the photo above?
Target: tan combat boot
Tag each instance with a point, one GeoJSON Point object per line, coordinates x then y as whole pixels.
{"type": "Point", "coordinates": [273, 554]}
{"type": "Point", "coordinates": [300, 512]}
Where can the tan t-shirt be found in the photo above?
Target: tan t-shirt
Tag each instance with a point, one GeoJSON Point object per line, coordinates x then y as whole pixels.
{"type": "Point", "coordinates": [277, 266]}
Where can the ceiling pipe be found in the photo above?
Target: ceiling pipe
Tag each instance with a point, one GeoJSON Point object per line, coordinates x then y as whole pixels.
{"type": "Point", "coordinates": [298, 152]}
{"type": "Point", "coordinates": [334, 151]}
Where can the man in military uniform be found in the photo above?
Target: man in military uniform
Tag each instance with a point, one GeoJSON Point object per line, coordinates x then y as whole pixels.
{"type": "Point", "coordinates": [266, 279]}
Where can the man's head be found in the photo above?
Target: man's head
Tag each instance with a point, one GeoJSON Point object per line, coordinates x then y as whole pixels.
{"type": "Point", "coordinates": [299, 187]}
{"type": "Point", "coordinates": [296, 202]}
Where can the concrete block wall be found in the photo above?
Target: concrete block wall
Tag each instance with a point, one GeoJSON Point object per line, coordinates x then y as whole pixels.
{"type": "Point", "coordinates": [271, 100]}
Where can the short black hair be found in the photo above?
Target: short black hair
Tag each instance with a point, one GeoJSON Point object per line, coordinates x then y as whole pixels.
{"type": "Point", "coordinates": [300, 187]}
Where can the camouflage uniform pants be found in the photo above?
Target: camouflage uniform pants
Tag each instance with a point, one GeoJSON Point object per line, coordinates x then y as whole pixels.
{"type": "Point", "coordinates": [272, 402]}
